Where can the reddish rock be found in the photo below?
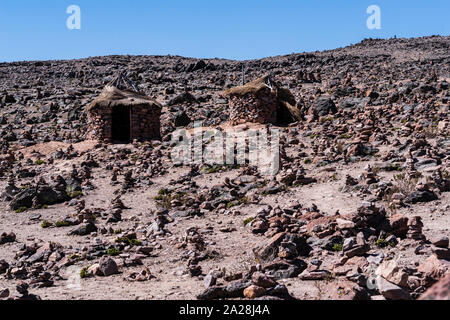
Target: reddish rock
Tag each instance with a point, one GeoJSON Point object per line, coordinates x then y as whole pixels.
{"type": "Point", "coordinates": [254, 292]}
{"type": "Point", "coordinates": [261, 280]}
{"type": "Point", "coordinates": [390, 271]}
{"type": "Point", "coordinates": [269, 250]}
{"type": "Point", "coordinates": [440, 291]}
{"type": "Point", "coordinates": [434, 268]}
{"type": "Point", "coordinates": [346, 290]}
{"type": "Point", "coordinates": [399, 225]}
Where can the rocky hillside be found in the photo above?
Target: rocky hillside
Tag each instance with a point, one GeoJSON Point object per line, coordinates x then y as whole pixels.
{"type": "Point", "coordinates": [359, 210]}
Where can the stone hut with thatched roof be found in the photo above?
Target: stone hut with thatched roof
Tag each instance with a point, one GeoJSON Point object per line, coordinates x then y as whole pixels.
{"type": "Point", "coordinates": [122, 116]}
{"type": "Point", "coordinates": [262, 101]}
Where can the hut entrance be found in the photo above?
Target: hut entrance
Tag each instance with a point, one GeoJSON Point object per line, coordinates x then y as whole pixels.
{"type": "Point", "coordinates": [284, 117]}
{"type": "Point", "coordinates": [121, 128]}
{"type": "Point", "coordinates": [263, 101]}
{"type": "Point", "coordinates": [121, 115]}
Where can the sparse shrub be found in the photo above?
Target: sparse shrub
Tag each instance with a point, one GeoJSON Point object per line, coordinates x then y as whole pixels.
{"type": "Point", "coordinates": [405, 184]}
{"type": "Point", "coordinates": [243, 200]}
{"type": "Point", "coordinates": [21, 209]}
{"type": "Point", "coordinates": [62, 224]}
{"type": "Point", "coordinates": [381, 243]}
{"type": "Point", "coordinates": [345, 136]}
{"type": "Point", "coordinates": [165, 198]}
{"type": "Point", "coordinates": [75, 194]}
{"type": "Point", "coordinates": [325, 119]}
{"type": "Point", "coordinates": [113, 252]}
{"type": "Point", "coordinates": [45, 224]}
{"type": "Point", "coordinates": [248, 220]}
{"type": "Point", "coordinates": [402, 184]}
{"type": "Point", "coordinates": [84, 273]}
{"type": "Point", "coordinates": [127, 241]}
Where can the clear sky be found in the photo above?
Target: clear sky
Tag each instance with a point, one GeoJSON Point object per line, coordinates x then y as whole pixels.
{"type": "Point", "coordinates": [244, 29]}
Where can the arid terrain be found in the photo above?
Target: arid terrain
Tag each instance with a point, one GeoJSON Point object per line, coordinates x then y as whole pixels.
{"type": "Point", "coordinates": [359, 210]}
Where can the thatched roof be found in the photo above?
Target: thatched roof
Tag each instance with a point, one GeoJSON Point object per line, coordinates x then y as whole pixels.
{"type": "Point", "coordinates": [112, 97]}
{"type": "Point", "coordinates": [251, 87]}
{"type": "Point", "coordinates": [286, 99]}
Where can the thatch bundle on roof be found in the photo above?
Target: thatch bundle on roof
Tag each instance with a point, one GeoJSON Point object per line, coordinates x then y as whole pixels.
{"type": "Point", "coordinates": [251, 87]}
{"type": "Point", "coordinates": [123, 115]}
{"type": "Point", "coordinates": [262, 101]}
{"type": "Point", "coordinates": [112, 97]}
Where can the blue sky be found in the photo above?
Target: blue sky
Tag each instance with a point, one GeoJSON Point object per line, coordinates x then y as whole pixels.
{"type": "Point", "coordinates": [245, 29]}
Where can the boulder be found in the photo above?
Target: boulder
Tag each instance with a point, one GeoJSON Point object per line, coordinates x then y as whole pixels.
{"type": "Point", "coordinates": [3, 266]}
{"type": "Point", "coordinates": [8, 99]}
{"type": "Point", "coordinates": [261, 280]}
{"type": "Point", "coordinates": [391, 291]}
{"type": "Point", "coordinates": [7, 237]}
{"type": "Point", "coordinates": [181, 119]}
{"type": "Point", "coordinates": [4, 293]}
{"type": "Point", "coordinates": [346, 290]}
{"type": "Point", "coordinates": [84, 229]}
{"type": "Point", "coordinates": [390, 271]}
{"type": "Point", "coordinates": [324, 106]}
{"type": "Point", "coordinates": [107, 267]}
{"type": "Point", "coordinates": [196, 66]}
{"type": "Point", "coordinates": [253, 292]}
{"type": "Point", "coordinates": [440, 242]}
{"type": "Point", "coordinates": [399, 225]}
{"type": "Point", "coordinates": [268, 251]}
{"type": "Point", "coordinates": [440, 291]}
{"type": "Point", "coordinates": [441, 253]}
{"type": "Point", "coordinates": [44, 195]}
{"type": "Point", "coordinates": [434, 268]}
{"type": "Point", "coordinates": [234, 289]}
{"type": "Point", "coordinates": [421, 196]}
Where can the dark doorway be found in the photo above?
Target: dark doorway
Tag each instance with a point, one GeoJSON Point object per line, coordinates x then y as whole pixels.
{"type": "Point", "coordinates": [121, 124]}
{"type": "Point", "coordinates": [284, 116]}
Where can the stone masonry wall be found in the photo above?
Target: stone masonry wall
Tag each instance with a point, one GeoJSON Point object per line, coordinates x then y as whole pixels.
{"type": "Point", "coordinates": [257, 108]}
{"type": "Point", "coordinates": [145, 124]}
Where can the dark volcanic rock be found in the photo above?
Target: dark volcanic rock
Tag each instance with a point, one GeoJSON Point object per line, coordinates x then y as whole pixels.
{"type": "Point", "coordinates": [42, 195]}
{"type": "Point", "coordinates": [84, 229]}
{"type": "Point", "coordinates": [7, 237]}
{"type": "Point", "coordinates": [324, 106]}
{"type": "Point", "coordinates": [232, 290]}
{"type": "Point", "coordinates": [3, 266]}
{"type": "Point", "coordinates": [108, 267]}
{"type": "Point", "coordinates": [421, 196]}
{"type": "Point", "coordinates": [185, 97]}
{"type": "Point", "coordinates": [181, 119]}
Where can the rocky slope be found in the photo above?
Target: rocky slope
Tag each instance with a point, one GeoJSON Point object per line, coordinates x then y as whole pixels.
{"type": "Point", "coordinates": [359, 210]}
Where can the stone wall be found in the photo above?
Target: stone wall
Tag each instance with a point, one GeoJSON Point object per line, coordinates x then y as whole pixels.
{"type": "Point", "coordinates": [100, 126]}
{"type": "Point", "coordinates": [260, 107]}
{"type": "Point", "coordinates": [145, 124]}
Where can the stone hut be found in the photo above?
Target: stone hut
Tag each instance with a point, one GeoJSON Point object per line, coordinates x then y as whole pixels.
{"type": "Point", "coordinates": [262, 101]}
{"type": "Point", "coordinates": [122, 116]}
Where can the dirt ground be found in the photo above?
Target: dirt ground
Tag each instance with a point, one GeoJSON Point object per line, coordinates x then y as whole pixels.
{"type": "Point", "coordinates": [234, 248]}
